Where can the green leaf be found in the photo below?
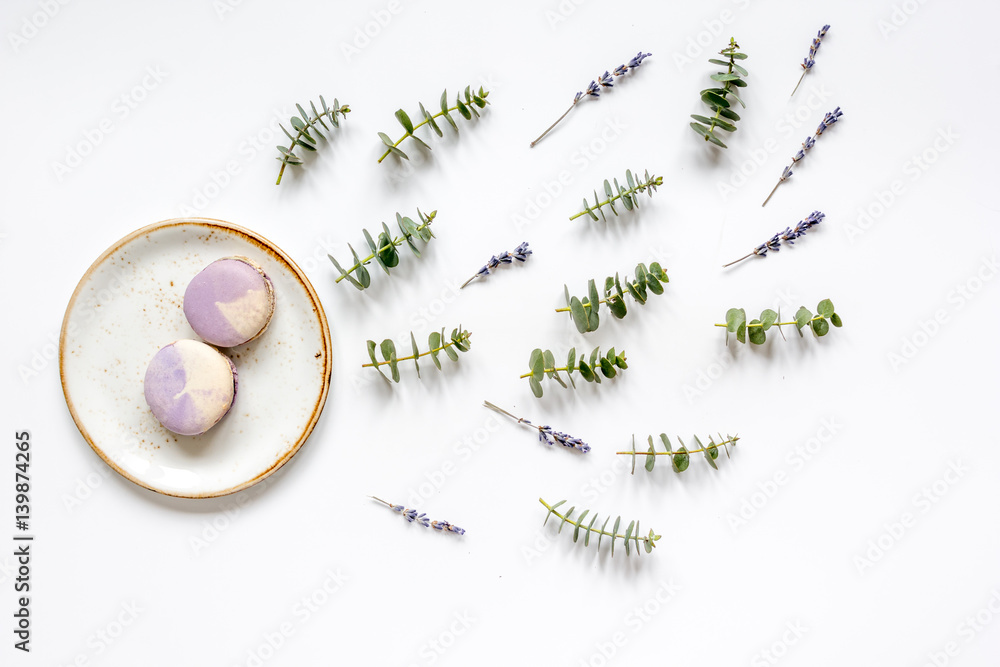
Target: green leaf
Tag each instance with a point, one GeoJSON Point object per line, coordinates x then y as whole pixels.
{"type": "Point", "coordinates": [715, 140]}
{"type": "Point", "coordinates": [550, 362]}
{"type": "Point", "coordinates": [608, 368]}
{"type": "Point", "coordinates": [730, 114]}
{"type": "Point", "coordinates": [820, 327]}
{"type": "Point", "coordinates": [433, 343]}
{"type": "Point", "coordinates": [767, 318]}
{"type": "Point", "coordinates": [825, 308]}
{"type": "Point", "coordinates": [802, 317]}
{"type": "Point", "coordinates": [711, 452]}
{"type": "Point", "coordinates": [571, 361]}
{"type": "Point", "coordinates": [371, 355]}
{"type": "Point", "coordinates": [734, 318]}
{"type": "Point", "coordinates": [450, 351]}
{"type": "Point", "coordinates": [714, 100]}
{"type": "Point", "coordinates": [835, 320]}
{"type": "Point", "coordinates": [741, 332]}
{"type": "Point", "coordinates": [536, 386]}
{"type": "Point", "coordinates": [430, 120]}
{"type": "Point", "coordinates": [650, 457]}
{"type": "Point", "coordinates": [614, 535]}
{"type": "Point", "coordinates": [725, 77]}
{"type": "Point", "coordinates": [462, 109]}
{"type": "Point", "coordinates": [586, 371]}
{"type": "Point", "coordinates": [404, 120]}
{"type": "Point", "coordinates": [628, 536]}
{"type": "Point", "coordinates": [700, 129]}
{"type": "Point", "coordinates": [579, 314]}
{"type": "Point", "coordinates": [681, 459]}
{"type": "Point", "coordinates": [386, 139]}
{"type": "Point", "coordinates": [416, 352]}
{"type": "Point", "coordinates": [536, 362]}
{"type": "Point", "coordinates": [756, 333]}
{"type": "Point", "coordinates": [738, 56]}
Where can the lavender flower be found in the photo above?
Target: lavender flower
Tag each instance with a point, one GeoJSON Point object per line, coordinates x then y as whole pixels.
{"type": "Point", "coordinates": [606, 80]}
{"type": "Point", "coordinates": [829, 119]}
{"type": "Point", "coordinates": [788, 236]}
{"type": "Point", "coordinates": [546, 434]}
{"type": "Point", "coordinates": [810, 60]}
{"type": "Point", "coordinates": [412, 516]}
{"type": "Point", "coordinates": [520, 254]}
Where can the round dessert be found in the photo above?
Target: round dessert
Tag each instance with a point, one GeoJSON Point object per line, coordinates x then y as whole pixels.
{"type": "Point", "coordinates": [190, 386]}
{"type": "Point", "coordinates": [230, 302]}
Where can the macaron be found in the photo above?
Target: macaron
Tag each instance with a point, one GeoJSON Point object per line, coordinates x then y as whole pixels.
{"type": "Point", "coordinates": [190, 386]}
{"type": "Point", "coordinates": [230, 302]}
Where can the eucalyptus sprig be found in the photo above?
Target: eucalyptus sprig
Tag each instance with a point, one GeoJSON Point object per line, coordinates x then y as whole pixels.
{"type": "Point", "coordinates": [384, 251]}
{"type": "Point", "coordinates": [302, 124]}
{"type": "Point", "coordinates": [543, 365]}
{"type": "Point", "coordinates": [680, 459]}
{"type": "Point", "coordinates": [629, 196]}
{"type": "Point", "coordinates": [467, 109]}
{"type": "Point", "coordinates": [718, 99]}
{"type": "Point", "coordinates": [437, 342]}
{"type": "Point", "coordinates": [632, 535]}
{"type": "Point", "coordinates": [585, 310]}
{"type": "Point", "coordinates": [736, 322]}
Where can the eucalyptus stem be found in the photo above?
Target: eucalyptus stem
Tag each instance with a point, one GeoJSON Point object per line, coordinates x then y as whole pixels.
{"type": "Point", "coordinates": [727, 86]}
{"type": "Point", "coordinates": [415, 127]}
{"type": "Point", "coordinates": [398, 241]}
{"type": "Point", "coordinates": [728, 441]}
{"type": "Point", "coordinates": [631, 536]}
{"type": "Point", "coordinates": [434, 350]}
{"type": "Point", "coordinates": [774, 324]}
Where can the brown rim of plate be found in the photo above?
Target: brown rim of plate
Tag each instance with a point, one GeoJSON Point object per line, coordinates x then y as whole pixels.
{"type": "Point", "coordinates": [268, 247]}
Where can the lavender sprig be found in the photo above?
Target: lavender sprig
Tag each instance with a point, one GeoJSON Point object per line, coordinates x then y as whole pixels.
{"type": "Point", "coordinates": [545, 433]}
{"type": "Point", "coordinates": [809, 61]}
{"type": "Point", "coordinates": [412, 516]}
{"type": "Point", "coordinates": [829, 119]}
{"type": "Point", "coordinates": [606, 80]}
{"type": "Point", "coordinates": [520, 253]}
{"type": "Point", "coordinates": [789, 235]}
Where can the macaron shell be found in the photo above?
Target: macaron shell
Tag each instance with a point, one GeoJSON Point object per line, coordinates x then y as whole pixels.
{"type": "Point", "coordinates": [190, 386]}
{"type": "Point", "coordinates": [230, 302]}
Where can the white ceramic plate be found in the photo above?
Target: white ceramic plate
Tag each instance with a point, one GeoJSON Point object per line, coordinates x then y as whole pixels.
{"type": "Point", "coordinates": [129, 304]}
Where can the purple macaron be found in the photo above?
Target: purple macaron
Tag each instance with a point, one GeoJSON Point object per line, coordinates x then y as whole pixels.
{"type": "Point", "coordinates": [190, 386]}
{"type": "Point", "coordinates": [230, 302]}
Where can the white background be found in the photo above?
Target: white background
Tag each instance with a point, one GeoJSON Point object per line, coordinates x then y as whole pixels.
{"type": "Point", "coordinates": [217, 582]}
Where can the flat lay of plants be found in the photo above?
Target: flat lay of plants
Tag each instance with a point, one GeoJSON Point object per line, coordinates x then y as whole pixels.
{"type": "Point", "coordinates": [609, 290]}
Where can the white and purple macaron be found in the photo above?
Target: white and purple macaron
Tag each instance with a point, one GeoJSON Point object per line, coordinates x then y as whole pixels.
{"type": "Point", "coordinates": [230, 302]}
{"type": "Point", "coordinates": [190, 386]}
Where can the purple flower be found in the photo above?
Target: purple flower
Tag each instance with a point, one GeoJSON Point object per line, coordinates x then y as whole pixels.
{"type": "Point", "coordinates": [829, 119]}
{"type": "Point", "coordinates": [520, 253]}
{"type": "Point", "coordinates": [789, 236]}
{"type": "Point", "coordinates": [606, 80]}
{"type": "Point", "coordinates": [550, 437]}
{"type": "Point", "coordinates": [810, 60]}
{"type": "Point", "coordinates": [411, 516]}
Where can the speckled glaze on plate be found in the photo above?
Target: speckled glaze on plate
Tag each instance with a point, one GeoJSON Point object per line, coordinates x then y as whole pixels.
{"type": "Point", "coordinates": [129, 304]}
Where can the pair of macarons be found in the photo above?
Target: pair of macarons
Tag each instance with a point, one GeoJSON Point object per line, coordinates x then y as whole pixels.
{"type": "Point", "coordinates": [189, 385]}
